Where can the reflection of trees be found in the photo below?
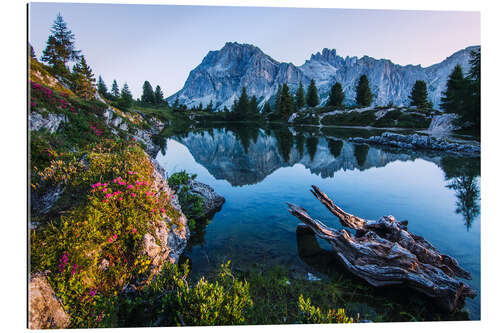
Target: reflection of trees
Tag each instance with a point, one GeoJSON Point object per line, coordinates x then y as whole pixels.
{"type": "Point", "coordinates": [285, 142]}
{"type": "Point", "coordinates": [299, 144]}
{"type": "Point", "coordinates": [197, 234]}
{"type": "Point", "coordinates": [463, 174]}
{"type": "Point", "coordinates": [245, 134]}
{"type": "Point", "coordinates": [467, 192]}
{"type": "Point", "coordinates": [361, 151]}
{"type": "Point", "coordinates": [312, 146]}
{"type": "Point", "coordinates": [335, 147]}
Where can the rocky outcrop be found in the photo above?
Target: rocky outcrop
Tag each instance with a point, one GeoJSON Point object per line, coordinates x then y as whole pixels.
{"type": "Point", "coordinates": [212, 201]}
{"type": "Point", "coordinates": [45, 310]}
{"type": "Point", "coordinates": [221, 75]}
{"type": "Point", "coordinates": [169, 238]}
{"type": "Point", "coordinates": [51, 122]}
{"type": "Point", "coordinates": [416, 141]}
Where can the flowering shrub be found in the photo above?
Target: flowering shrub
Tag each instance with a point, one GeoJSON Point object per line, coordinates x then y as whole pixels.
{"type": "Point", "coordinates": [95, 248]}
{"type": "Point", "coordinates": [42, 96]}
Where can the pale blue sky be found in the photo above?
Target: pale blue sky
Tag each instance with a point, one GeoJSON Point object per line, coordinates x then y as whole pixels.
{"type": "Point", "coordinates": [162, 43]}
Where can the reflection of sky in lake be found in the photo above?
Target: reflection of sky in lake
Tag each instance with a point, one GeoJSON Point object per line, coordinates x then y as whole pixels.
{"type": "Point", "coordinates": [254, 225]}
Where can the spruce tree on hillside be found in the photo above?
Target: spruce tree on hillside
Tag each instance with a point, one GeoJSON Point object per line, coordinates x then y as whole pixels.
{"type": "Point", "coordinates": [300, 99]}
{"type": "Point", "coordinates": [60, 47]}
{"type": "Point", "coordinates": [286, 105]}
{"type": "Point", "coordinates": [418, 95]}
{"type": "Point", "coordinates": [101, 87]}
{"type": "Point", "coordinates": [115, 91]}
{"type": "Point", "coordinates": [83, 80]}
{"type": "Point", "coordinates": [148, 95]}
{"type": "Point", "coordinates": [126, 98]}
{"type": "Point", "coordinates": [312, 98]}
{"type": "Point", "coordinates": [363, 93]}
{"type": "Point", "coordinates": [158, 97]}
{"type": "Point", "coordinates": [32, 51]}
{"type": "Point", "coordinates": [336, 95]}
{"type": "Point", "coordinates": [453, 98]}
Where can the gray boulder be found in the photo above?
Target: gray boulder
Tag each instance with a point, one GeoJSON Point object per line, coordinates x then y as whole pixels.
{"type": "Point", "coordinates": [212, 201]}
{"type": "Point", "coordinates": [51, 122]}
{"type": "Point", "coordinates": [45, 310]}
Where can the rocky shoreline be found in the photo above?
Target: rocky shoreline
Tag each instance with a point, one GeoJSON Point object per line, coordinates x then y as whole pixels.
{"type": "Point", "coordinates": [421, 142]}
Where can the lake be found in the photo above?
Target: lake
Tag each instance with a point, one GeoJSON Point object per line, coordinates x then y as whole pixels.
{"type": "Point", "coordinates": [258, 170]}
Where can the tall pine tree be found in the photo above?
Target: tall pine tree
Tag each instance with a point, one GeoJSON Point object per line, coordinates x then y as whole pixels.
{"type": "Point", "coordinates": [83, 80]}
{"type": "Point", "coordinates": [300, 99]}
{"type": "Point", "coordinates": [336, 95]}
{"type": "Point", "coordinates": [363, 93]}
{"type": "Point", "coordinates": [60, 47]}
{"type": "Point", "coordinates": [115, 91]}
{"type": "Point", "coordinates": [243, 105]}
{"type": "Point", "coordinates": [312, 98]}
{"type": "Point", "coordinates": [453, 99]}
{"type": "Point", "coordinates": [101, 87]}
{"type": "Point", "coordinates": [418, 95]}
{"type": "Point", "coordinates": [158, 97]}
{"type": "Point", "coordinates": [254, 107]}
{"type": "Point", "coordinates": [148, 95]}
{"type": "Point", "coordinates": [473, 102]}
{"type": "Point", "coordinates": [126, 98]}
{"type": "Point", "coordinates": [286, 105]}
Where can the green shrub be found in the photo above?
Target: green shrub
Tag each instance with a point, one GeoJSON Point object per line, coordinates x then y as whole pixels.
{"type": "Point", "coordinates": [170, 300]}
{"type": "Point", "coordinates": [310, 314]}
{"type": "Point", "coordinates": [192, 204]}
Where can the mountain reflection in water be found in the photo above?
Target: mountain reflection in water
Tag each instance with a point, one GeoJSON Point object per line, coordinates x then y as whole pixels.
{"type": "Point", "coordinates": [258, 170]}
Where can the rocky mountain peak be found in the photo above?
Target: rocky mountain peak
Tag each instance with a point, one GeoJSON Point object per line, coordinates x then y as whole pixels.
{"type": "Point", "coordinates": [222, 74]}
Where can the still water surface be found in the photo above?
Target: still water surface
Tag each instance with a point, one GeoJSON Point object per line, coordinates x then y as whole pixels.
{"type": "Point", "coordinates": [259, 170]}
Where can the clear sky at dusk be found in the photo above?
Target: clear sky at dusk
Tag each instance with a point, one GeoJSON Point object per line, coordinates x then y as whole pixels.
{"type": "Point", "coordinates": [162, 43]}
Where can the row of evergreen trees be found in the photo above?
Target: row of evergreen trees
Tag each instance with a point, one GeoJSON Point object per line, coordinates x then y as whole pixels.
{"type": "Point", "coordinates": [59, 52]}
{"type": "Point", "coordinates": [123, 98]}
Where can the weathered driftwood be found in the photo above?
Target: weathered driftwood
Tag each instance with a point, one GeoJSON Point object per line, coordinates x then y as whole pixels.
{"type": "Point", "coordinates": [384, 253]}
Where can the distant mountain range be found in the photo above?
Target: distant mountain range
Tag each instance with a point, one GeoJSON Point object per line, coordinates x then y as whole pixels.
{"type": "Point", "coordinates": [222, 74]}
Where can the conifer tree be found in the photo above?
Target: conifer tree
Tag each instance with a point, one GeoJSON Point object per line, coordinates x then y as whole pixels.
{"type": "Point", "coordinates": [418, 95]}
{"type": "Point", "coordinates": [115, 91]}
{"type": "Point", "coordinates": [126, 98]}
{"type": "Point", "coordinates": [158, 96]}
{"type": "Point", "coordinates": [243, 105]}
{"type": "Point", "coordinates": [83, 80]}
{"type": "Point", "coordinates": [363, 93]}
{"type": "Point", "coordinates": [336, 95]}
{"type": "Point", "coordinates": [176, 103]}
{"type": "Point", "coordinates": [32, 51]}
{"type": "Point", "coordinates": [300, 99]}
{"type": "Point", "coordinates": [148, 95]}
{"type": "Point", "coordinates": [277, 106]}
{"type": "Point", "coordinates": [286, 105]}
{"type": "Point", "coordinates": [254, 107]}
{"type": "Point", "coordinates": [267, 108]}
{"type": "Point", "coordinates": [312, 98]}
{"type": "Point", "coordinates": [210, 107]}
{"type": "Point", "coordinates": [473, 113]}
{"type": "Point", "coordinates": [60, 47]}
{"type": "Point", "coordinates": [101, 87]}
{"type": "Point", "coordinates": [453, 98]}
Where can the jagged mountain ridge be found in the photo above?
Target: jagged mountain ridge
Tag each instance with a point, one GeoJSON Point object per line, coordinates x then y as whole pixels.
{"type": "Point", "coordinates": [221, 75]}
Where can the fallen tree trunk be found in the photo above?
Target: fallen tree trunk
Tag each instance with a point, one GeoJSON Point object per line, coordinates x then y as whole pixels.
{"type": "Point", "coordinates": [384, 253]}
